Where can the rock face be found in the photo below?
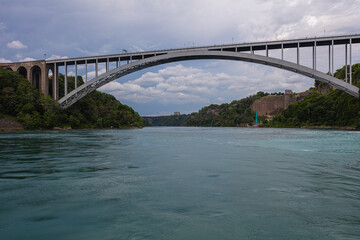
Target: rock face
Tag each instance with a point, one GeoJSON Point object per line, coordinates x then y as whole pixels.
{"type": "Point", "coordinates": [8, 124]}
{"type": "Point", "coordinates": [270, 105]}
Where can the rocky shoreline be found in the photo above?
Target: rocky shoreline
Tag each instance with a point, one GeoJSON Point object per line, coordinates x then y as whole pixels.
{"type": "Point", "coordinates": [7, 124]}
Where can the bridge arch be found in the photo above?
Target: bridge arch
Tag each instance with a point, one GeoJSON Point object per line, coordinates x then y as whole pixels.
{"type": "Point", "coordinates": [22, 71]}
{"type": "Point", "coordinates": [121, 71]}
{"type": "Point", "coordinates": [35, 76]}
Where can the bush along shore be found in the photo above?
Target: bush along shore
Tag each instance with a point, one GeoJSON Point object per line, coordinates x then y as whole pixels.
{"type": "Point", "coordinates": [22, 106]}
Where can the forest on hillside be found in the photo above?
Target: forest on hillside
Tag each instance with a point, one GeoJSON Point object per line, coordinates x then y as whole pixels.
{"type": "Point", "coordinates": [23, 103]}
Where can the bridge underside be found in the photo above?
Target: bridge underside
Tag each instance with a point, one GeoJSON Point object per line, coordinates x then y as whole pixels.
{"type": "Point", "coordinates": [119, 72]}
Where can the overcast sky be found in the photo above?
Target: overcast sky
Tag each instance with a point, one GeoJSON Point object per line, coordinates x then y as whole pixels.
{"type": "Point", "coordinates": [30, 29]}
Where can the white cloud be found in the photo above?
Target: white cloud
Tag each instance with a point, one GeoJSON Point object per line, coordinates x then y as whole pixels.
{"type": "Point", "coordinates": [28, 59]}
{"type": "Point", "coordinates": [54, 56]}
{"type": "Point", "coordinates": [91, 74]}
{"type": "Point", "coordinates": [16, 45]}
{"type": "Point", "coordinates": [181, 85]}
{"type": "Point", "coordinates": [3, 60]}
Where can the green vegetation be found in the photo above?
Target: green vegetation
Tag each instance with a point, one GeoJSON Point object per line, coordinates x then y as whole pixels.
{"type": "Point", "coordinates": [334, 108]}
{"type": "Point", "coordinates": [22, 102]}
{"type": "Point", "coordinates": [236, 113]}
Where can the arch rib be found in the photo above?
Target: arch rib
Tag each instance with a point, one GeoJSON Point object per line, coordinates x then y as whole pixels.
{"type": "Point", "coordinates": [121, 71]}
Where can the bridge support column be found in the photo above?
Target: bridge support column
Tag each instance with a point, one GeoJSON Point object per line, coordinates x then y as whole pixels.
{"type": "Point", "coordinates": [66, 83]}
{"type": "Point", "coordinates": [75, 74]}
{"type": "Point", "coordinates": [267, 50]}
{"type": "Point", "coordinates": [329, 60]}
{"type": "Point", "coordinates": [85, 70]}
{"type": "Point", "coordinates": [56, 82]}
{"type": "Point", "coordinates": [298, 53]}
{"type": "Point", "coordinates": [346, 65]}
{"type": "Point", "coordinates": [350, 61]}
{"type": "Point", "coordinates": [45, 80]}
{"type": "Point", "coordinates": [96, 68]}
{"type": "Point", "coordinates": [314, 56]}
{"type": "Point", "coordinates": [332, 57]}
{"type": "Point", "coordinates": [282, 51]}
{"type": "Point", "coordinates": [29, 75]}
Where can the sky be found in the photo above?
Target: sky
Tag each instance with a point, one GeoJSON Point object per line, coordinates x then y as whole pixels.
{"type": "Point", "coordinates": [77, 28]}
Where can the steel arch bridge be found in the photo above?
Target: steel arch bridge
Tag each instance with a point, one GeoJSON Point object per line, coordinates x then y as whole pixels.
{"type": "Point", "coordinates": [36, 71]}
{"type": "Point", "coordinates": [121, 71]}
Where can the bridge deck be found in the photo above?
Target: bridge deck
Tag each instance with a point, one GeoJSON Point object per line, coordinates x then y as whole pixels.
{"type": "Point", "coordinates": [241, 47]}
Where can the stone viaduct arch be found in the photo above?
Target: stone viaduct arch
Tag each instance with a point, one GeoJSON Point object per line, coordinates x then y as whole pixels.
{"type": "Point", "coordinates": [35, 76]}
{"type": "Point", "coordinates": [22, 71]}
{"type": "Point", "coordinates": [34, 71]}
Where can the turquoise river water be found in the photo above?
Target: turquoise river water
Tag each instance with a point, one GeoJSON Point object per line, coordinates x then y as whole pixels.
{"type": "Point", "coordinates": [180, 183]}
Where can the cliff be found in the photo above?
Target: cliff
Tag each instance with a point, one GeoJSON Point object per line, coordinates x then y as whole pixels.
{"type": "Point", "coordinates": [273, 104]}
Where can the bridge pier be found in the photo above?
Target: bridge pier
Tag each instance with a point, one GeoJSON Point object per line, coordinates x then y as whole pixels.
{"type": "Point", "coordinates": [55, 81]}
{"type": "Point", "coordinates": [350, 61]}
{"type": "Point", "coordinates": [36, 72]}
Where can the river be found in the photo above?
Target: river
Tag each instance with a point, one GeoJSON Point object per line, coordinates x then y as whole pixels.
{"type": "Point", "coordinates": [180, 183]}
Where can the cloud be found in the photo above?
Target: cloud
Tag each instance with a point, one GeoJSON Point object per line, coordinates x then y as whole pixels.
{"type": "Point", "coordinates": [183, 85]}
{"type": "Point", "coordinates": [3, 60]}
{"type": "Point", "coordinates": [16, 45]}
{"type": "Point", "coordinates": [54, 56]}
{"type": "Point", "coordinates": [153, 25]}
{"type": "Point", "coordinates": [28, 59]}
{"type": "Point", "coordinates": [91, 74]}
